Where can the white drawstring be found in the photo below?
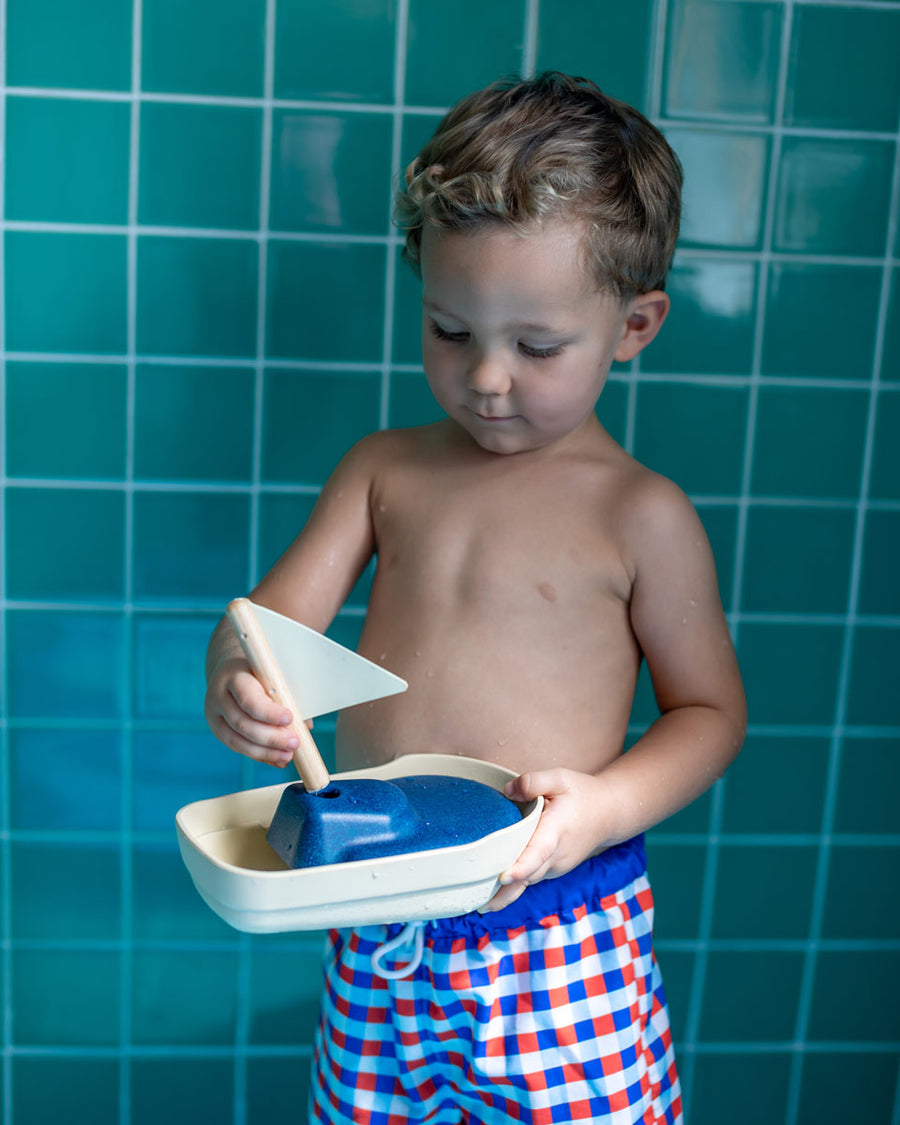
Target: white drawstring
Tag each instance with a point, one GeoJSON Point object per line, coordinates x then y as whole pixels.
{"type": "Point", "coordinates": [412, 931]}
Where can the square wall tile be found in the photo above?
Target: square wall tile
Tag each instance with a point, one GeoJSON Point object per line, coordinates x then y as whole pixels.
{"type": "Point", "coordinates": [194, 49]}
{"type": "Point", "coordinates": [410, 401]}
{"type": "Point", "coordinates": [795, 292]}
{"type": "Point", "coordinates": [833, 196]}
{"type": "Point", "coordinates": [612, 409]}
{"type": "Point", "coordinates": [867, 786]}
{"type": "Point", "coordinates": [67, 160]}
{"type": "Point", "coordinates": [838, 1085]}
{"type": "Point", "coordinates": [445, 61]}
{"type": "Point", "coordinates": [852, 996]}
{"type": "Point", "coordinates": [89, 48]}
{"type": "Point", "coordinates": [809, 442]}
{"type": "Point", "coordinates": [750, 1085]}
{"type": "Point", "coordinates": [797, 560]}
{"type": "Point", "coordinates": [47, 1087]}
{"type": "Point", "coordinates": [325, 301]}
{"type": "Point", "coordinates": [722, 60]}
{"type": "Point", "coordinates": [693, 433]}
{"type": "Point", "coordinates": [873, 699]}
{"type": "Point", "coordinates": [776, 785]}
{"type": "Point", "coordinates": [285, 990]}
{"type": "Point", "coordinates": [879, 590]}
{"type": "Point", "coordinates": [890, 360]}
{"type": "Point", "coordinates": [181, 1090]}
{"type": "Point", "coordinates": [861, 876]}
{"type": "Point", "coordinates": [607, 42]}
{"type": "Point", "coordinates": [275, 1087]}
{"type": "Point", "coordinates": [678, 977]}
{"type": "Point", "coordinates": [724, 194]}
{"type": "Point", "coordinates": [868, 94]}
{"type": "Point", "coordinates": [340, 51]}
{"type": "Point", "coordinates": [751, 996]}
{"type": "Point", "coordinates": [48, 555]}
{"type": "Point", "coordinates": [197, 296]}
{"type": "Point", "coordinates": [764, 892]}
{"type": "Point", "coordinates": [66, 998]}
{"type": "Point", "coordinates": [190, 546]}
{"type": "Point", "coordinates": [65, 664]}
{"type": "Point", "coordinates": [316, 158]}
{"type": "Point", "coordinates": [311, 420]}
{"type": "Point", "coordinates": [166, 906]}
{"type": "Point", "coordinates": [169, 656]}
{"type": "Point", "coordinates": [200, 166]}
{"type": "Point", "coordinates": [710, 328]}
{"type": "Point", "coordinates": [183, 998]}
{"type": "Point", "coordinates": [42, 765]}
{"type": "Point", "coordinates": [193, 423]}
{"type": "Point", "coordinates": [163, 784]}
{"type": "Point", "coordinates": [65, 420]}
{"type": "Point", "coordinates": [66, 892]}
{"type": "Point", "coordinates": [676, 875]}
{"type": "Point", "coordinates": [884, 482]}
{"type": "Point", "coordinates": [407, 327]}
{"type": "Point", "coordinates": [65, 292]}
{"type": "Point", "coordinates": [720, 524]}
{"type": "Point", "coordinates": [790, 671]}
{"type": "Point", "coordinates": [282, 516]}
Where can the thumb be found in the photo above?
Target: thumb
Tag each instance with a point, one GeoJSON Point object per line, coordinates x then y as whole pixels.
{"type": "Point", "coordinates": [538, 783]}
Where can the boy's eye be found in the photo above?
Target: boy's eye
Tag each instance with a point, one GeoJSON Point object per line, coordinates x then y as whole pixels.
{"type": "Point", "coordinates": [451, 337]}
{"type": "Point", "coordinates": [540, 353]}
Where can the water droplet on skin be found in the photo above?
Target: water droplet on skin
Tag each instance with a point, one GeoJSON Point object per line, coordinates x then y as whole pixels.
{"type": "Point", "coordinates": [430, 675]}
{"type": "Point", "coordinates": [502, 741]}
{"type": "Point", "coordinates": [383, 656]}
{"type": "Point", "coordinates": [684, 621]}
{"type": "Point", "coordinates": [418, 653]}
{"type": "Point", "coordinates": [382, 508]}
{"type": "Point", "coordinates": [692, 602]}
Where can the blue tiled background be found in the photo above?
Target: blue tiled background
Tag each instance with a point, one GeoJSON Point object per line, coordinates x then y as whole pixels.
{"type": "Point", "coordinates": [203, 306]}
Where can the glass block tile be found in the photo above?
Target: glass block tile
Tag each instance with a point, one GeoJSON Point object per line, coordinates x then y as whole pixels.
{"type": "Point", "coordinates": [693, 433]}
{"type": "Point", "coordinates": [197, 296]}
{"type": "Point", "coordinates": [612, 409]}
{"type": "Point", "coordinates": [722, 60]}
{"type": "Point", "coordinates": [192, 49]}
{"type": "Point", "coordinates": [676, 874]}
{"type": "Point", "coordinates": [711, 326]}
{"type": "Point", "coordinates": [65, 664]}
{"type": "Point", "coordinates": [749, 1084]}
{"type": "Point", "coordinates": [67, 160]}
{"type": "Point", "coordinates": [190, 546]}
{"type": "Point", "coordinates": [741, 1001]}
{"type": "Point", "coordinates": [169, 654]}
{"type": "Point", "coordinates": [282, 516]}
{"type": "Point", "coordinates": [874, 916]}
{"type": "Point", "coordinates": [809, 442]}
{"type": "Point", "coordinates": [193, 423]}
{"type": "Point", "coordinates": [163, 782]}
{"type": "Point", "coordinates": [316, 158]}
{"type": "Point", "coordinates": [183, 998]}
{"type": "Point", "coordinates": [833, 196]}
{"type": "Point", "coordinates": [879, 590]}
{"type": "Point", "coordinates": [884, 482]}
{"type": "Point", "coordinates": [66, 891]}
{"type": "Point", "coordinates": [47, 1088]}
{"type": "Point", "coordinates": [311, 420]}
{"type": "Point", "coordinates": [65, 292]}
{"type": "Point", "coordinates": [839, 1085]}
{"type": "Point", "coordinates": [181, 1091]}
{"type": "Point", "coordinates": [325, 301]}
{"type": "Point", "coordinates": [200, 166]}
{"type": "Point", "coordinates": [42, 766]}
{"type": "Point", "coordinates": [797, 560]}
{"type": "Point", "coordinates": [410, 401]}
{"type": "Point", "coordinates": [445, 61]}
{"type": "Point", "coordinates": [723, 199]}
{"type": "Point", "coordinates": [868, 93]}
{"type": "Point", "coordinates": [867, 786]}
{"type": "Point", "coordinates": [166, 905]}
{"type": "Point", "coordinates": [752, 803]}
{"type": "Point", "coordinates": [66, 998]}
{"type": "Point", "coordinates": [307, 66]}
{"type": "Point", "coordinates": [275, 1087]}
{"type": "Point", "coordinates": [607, 42]}
{"type": "Point", "coordinates": [790, 671]}
{"type": "Point", "coordinates": [89, 48]}
{"type": "Point", "coordinates": [65, 420]}
{"type": "Point", "coordinates": [850, 993]}
{"type": "Point", "coordinates": [831, 351]}
{"type": "Point", "coordinates": [873, 699]}
{"type": "Point", "coordinates": [764, 892]}
{"type": "Point", "coordinates": [285, 990]}
{"type": "Point", "coordinates": [65, 544]}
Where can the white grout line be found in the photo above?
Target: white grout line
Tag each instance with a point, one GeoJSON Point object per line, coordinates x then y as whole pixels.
{"type": "Point", "coordinates": [531, 21]}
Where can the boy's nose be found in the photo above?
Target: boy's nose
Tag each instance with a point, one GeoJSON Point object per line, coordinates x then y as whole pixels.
{"type": "Point", "coordinates": [489, 376]}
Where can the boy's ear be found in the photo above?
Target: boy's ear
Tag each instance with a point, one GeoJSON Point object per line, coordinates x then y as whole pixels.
{"type": "Point", "coordinates": [645, 318]}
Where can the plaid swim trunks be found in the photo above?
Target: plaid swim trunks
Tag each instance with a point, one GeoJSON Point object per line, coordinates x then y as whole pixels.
{"type": "Point", "coordinates": [549, 1010]}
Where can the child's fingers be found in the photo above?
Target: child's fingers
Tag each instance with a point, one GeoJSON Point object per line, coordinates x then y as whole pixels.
{"type": "Point", "coordinates": [539, 783]}
{"type": "Point", "coordinates": [251, 698]}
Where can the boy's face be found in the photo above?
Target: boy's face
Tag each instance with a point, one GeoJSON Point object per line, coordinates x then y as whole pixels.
{"type": "Point", "coordinates": [517, 340]}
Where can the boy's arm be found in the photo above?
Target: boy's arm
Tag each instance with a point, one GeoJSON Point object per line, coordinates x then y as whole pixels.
{"type": "Point", "coordinates": [308, 583]}
{"type": "Point", "coordinates": [678, 621]}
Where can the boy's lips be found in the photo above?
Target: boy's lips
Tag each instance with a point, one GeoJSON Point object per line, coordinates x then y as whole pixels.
{"type": "Point", "coordinates": [493, 417]}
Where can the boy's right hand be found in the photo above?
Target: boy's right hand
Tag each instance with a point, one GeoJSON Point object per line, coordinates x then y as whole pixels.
{"type": "Point", "coordinates": [242, 715]}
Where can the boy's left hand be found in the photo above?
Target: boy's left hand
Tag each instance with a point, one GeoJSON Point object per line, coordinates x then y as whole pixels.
{"type": "Point", "coordinates": [567, 833]}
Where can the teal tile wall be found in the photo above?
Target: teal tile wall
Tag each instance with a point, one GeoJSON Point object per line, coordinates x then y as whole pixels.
{"type": "Point", "coordinates": [203, 305]}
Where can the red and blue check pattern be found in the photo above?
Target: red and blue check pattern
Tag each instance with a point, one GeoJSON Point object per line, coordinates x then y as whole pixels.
{"type": "Point", "coordinates": [563, 1019]}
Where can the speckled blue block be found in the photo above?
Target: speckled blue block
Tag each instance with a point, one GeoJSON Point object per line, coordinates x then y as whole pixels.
{"type": "Point", "coordinates": [363, 818]}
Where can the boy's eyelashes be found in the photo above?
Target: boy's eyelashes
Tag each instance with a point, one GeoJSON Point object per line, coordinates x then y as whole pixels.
{"type": "Point", "coordinates": [463, 337]}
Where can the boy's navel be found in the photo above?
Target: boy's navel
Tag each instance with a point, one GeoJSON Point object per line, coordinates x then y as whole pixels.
{"type": "Point", "coordinates": [547, 591]}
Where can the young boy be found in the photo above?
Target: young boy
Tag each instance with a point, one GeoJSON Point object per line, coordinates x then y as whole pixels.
{"type": "Point", "coordinates": [526, 566]}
